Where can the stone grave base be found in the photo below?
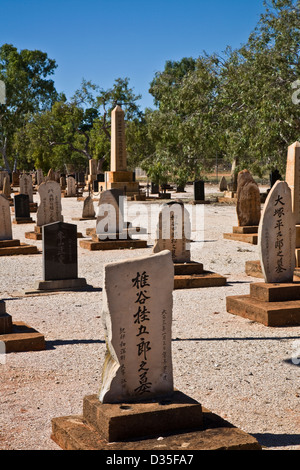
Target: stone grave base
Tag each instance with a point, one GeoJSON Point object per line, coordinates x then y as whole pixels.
{"type": "Point", "coordinates": [33, 206]}
{"type": "Point", "coordinates": [17, 336]}
{"type": "Point", "coordinates": [23, 220]}
{"type": "Point", "coordinates": [180, 422]}
{"type": "Point", "coordinates": [14, 247]}
{"type": "Point", "coordinates": [243, 234]}
{"type": "Point", "coordinates": [91, 232]}
{"type": "Point", "coordinates": [84, 218]}
{"type": "Point", "coordinates": [253, 269]}
{"type": "Point", "coordinates": [42, 287]}
{"type": "Point", "coordinates": [194, 203]}
{"type": "Point", "coordinates": [37, 234]}
{"type": "Point", "coordinates": [274, 305]}
{"type": "Point", "coordinates": [94, 244]}
{"type": "Point", "coordinates": [191, 275]}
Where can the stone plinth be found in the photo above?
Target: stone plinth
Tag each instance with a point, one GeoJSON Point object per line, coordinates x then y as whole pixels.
{"type": "Point", "coordinates": [14, 247]}
{"type": "Point", "coordinates": [17, 336]}
{"type": "Point", "coordinates": [112, 244]}
{"type": "Point", "coordinates": [191, 275]}
{"type": "Point", "coordinates": [251, 238]}
{"type": "Point", "coordinates": [273, 305]}
{"type": "Point", "coordinates": [214, 433]}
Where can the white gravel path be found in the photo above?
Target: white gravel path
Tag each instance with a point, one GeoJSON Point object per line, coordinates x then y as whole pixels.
{"type": "Point", "coordinates": [239, 369]}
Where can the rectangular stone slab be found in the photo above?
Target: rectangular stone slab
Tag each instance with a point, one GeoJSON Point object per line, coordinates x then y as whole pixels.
{"type": "Point", "coordinates": [275, 292]}
{"type": "Point", "coordinates": [250, 229]}
{"type": "Point", "coordinates": [242, 237]}
{"type": "Point", "coordinates": [112, 244]}
{"type": "Point", "coordinates": [23, 338]}
{"type": "Point", "coordinates": [194, 281]}
{"type": "Point", "coordinates": [274, 314]}
{"type": "Point", "coordinates": [190, 267]}
{"type": "Point", "coordinates": [22, 249]}
{"type": "Point", "coordinates": [119, 422]}
{"type": "Point", "coordinates": [73, 433]}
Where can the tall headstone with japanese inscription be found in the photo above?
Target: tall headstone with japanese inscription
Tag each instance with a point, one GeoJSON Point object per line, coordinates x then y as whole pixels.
{"type": "Point", "coordinates": [5, 219]}
{"type": "Point", "coordinates": [60, 251]}
{"type": "Point", "coordinates": [60, 259]}
{"type": "Point", "coordinates": [50, 208]}
{"type": "Point", "coordinates": [275, 302]}
{"type": "Point", "coordinates": [174, 231]}
{"type": "Point", "coordinates": [71, 187]}
{"type": "Point", "coordinates": [137, 315]}
{"type": "Point", "coordinates": [119, 177]}
{"type": "Point", "coordinates": [26, 186]}
{"type": "Point", "coordinates": [110, 214]}
{"type": "Point", "coordinates": [277, 235]}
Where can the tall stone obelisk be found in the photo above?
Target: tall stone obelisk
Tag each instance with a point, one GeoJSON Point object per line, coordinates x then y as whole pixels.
{"type": "Point", "coordinates": [119, 177]}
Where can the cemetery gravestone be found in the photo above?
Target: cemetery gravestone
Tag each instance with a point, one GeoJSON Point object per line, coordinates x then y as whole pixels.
{"type": "Point", "coordinates": [5, 219]}
{"type": "Point", "coordinates": [174, 234]}
{"type": "Point", "coordinates": [274, 302]}
{"type": "Point", "coordinates": [6, 187]}
{"type": "Point", "coordinates": [248, 210]}
{"type": "Point", "coordinates": [140, 335]}
{"type": "Point", "coordinates": [60, 262]}
{"type": "Point", "coordinates": [110, 214]}
{"type": "Point", "coordinates": [199, 193]}
{"type": "Point", "coordinates": [137, 402]}
{"type": "Point", "coordinates": [277, 236]}
{"type": "Point", "coordinates": [22, 209]}
{"type": "Point", "coordinates": [50, 208]}
{"type": "Point", "coordinates": [26, 186]}
{"type": "Point", "coordinates": [71, 187]}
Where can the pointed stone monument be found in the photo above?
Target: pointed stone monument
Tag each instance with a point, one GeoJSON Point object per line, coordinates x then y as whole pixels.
{"type": "Point", "coordinates": [137, 405]}
{"type": "Point", "coordinates": [248, 210]}
{"type": "Point", "coordinates": [174, 234]}
{"type": "Point", "coordinates": [119, 177]}
{"type": "Point", "coordinates": [274, 302]}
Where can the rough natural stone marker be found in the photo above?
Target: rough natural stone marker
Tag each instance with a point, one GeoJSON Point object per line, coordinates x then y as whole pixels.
{"type": "Point", "coordinates": [277, 236]}
{"type": "Point", "coordinates": [248, 210]}
{"type": "Point", "coordinates": [137, 314]}
{"type": "Point", "coordinates": [248, 200]}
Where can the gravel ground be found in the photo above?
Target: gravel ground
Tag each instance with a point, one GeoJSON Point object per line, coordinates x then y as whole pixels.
{"type": "Point", "coordinates": [239, 369]}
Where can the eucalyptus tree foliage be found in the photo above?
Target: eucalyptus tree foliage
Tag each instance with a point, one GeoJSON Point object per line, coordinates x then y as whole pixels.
{"type": "Point", "coordinates": [29, 89]}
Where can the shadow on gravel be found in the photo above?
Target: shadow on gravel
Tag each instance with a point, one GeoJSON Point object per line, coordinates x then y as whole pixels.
{"type": "Point", "coordinates": [65, 342]}
{"type": "Point", "coordinates": [277, 440]}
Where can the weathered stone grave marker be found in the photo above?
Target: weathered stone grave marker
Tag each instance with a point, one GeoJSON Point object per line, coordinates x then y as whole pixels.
{"type": "Point", "coordinates": [8, 245]}
{"type": "Point", "coordinates": [174, 234]}
{"type": "Point", "coordinates": [248, 210]}
{"type": "Point", "coordinates": [111, 231]}
{"type": "Point", "coordinates": [137, 402]}
{"type": "Point", "coordinates": [274, 302]}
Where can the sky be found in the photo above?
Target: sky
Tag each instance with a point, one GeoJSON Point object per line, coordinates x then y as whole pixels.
{"type": "Point", "coordinates": [102, 40]}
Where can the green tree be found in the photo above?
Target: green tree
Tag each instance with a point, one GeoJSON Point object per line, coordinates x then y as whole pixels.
{"type": "Point", "coordinates": [258, 117]}
{"type": "Point", "coordinates": [28, 90]}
